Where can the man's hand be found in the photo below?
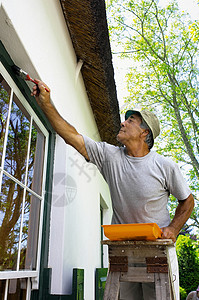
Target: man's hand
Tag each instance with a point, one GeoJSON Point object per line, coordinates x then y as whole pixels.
{"type": "Point", "coordinates": [169, 233]}
{"type": "Point", "coordinates": [41, 95]}
{"type": "Point", "coordinates": [182, 213]}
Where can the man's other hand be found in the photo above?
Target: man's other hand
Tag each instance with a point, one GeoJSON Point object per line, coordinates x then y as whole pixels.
{"type": "Point", "coordinates": [169, 233]}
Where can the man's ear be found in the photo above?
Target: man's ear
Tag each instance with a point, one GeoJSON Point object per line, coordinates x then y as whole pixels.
{"type": "Point", "coordinates": [145, 132]}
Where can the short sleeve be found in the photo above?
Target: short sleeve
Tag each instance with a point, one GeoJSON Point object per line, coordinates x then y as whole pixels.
{"type": "Point", "coordinates": [95, 151]}
{"type": "Point", "coordinates": [177, 185]}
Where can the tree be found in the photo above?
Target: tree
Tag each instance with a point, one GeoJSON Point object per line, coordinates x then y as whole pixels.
{"type": "Point", "coordinates": [161, 45]}
{"type": "Point", "coordinates": [188, 260]}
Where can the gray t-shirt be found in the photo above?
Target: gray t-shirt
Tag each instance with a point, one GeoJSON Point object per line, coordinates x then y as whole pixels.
{"type": "Point", "coordinates": [139, 186]}
{"type": "Point", "coordinates": [192, 296]}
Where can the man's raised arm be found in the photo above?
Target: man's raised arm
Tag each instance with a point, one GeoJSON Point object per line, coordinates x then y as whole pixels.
{"type": "Point", "coordinates": [62, 127]}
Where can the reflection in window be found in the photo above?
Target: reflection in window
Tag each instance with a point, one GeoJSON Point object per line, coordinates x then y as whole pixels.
{"type": "Point", "coordinates": [2, 288]}
{"type": "Point", "coordinates": [11, 199]}
{"type": "Point", "coordinates": [4, 105]}
{"type": "Point", "coordinates": [17, 289]}
{"type": "Point", "coordinates": [36, 159]}
{"type": "Point", "coordinates": [17, 144]}
{"type": "Point", "coordinates": [30, 230]}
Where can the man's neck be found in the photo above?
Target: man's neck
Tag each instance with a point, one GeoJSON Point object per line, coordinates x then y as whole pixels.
{"type": "Point", "coordinates": [137, 150]}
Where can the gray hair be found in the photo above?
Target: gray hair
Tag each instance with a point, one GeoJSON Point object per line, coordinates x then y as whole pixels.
{"type": "Point", "coordinates": [149, 138]}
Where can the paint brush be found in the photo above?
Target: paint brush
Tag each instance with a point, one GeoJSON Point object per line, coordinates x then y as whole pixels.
{"type": "Point", "coordinates": [19, 72]}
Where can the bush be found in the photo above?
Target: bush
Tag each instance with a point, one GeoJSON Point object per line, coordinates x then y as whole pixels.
{"type": "Point", "coordinates": [188, 263]}
{"type": "Point", "coordinates": [183, 294]}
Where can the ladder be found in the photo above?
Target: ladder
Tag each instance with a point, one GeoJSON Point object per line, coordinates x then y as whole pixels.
{"type": "Point", "coordinates": [139, 261]}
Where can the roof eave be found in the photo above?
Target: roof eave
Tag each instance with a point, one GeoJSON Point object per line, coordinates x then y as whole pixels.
{"type": "Point", "coordinates": [87, 24]}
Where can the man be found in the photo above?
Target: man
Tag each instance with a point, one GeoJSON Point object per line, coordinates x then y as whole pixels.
{"type": "Point", "coordinates": [140, 180]}
{"type": "Point", "coordinates": [193, 295]}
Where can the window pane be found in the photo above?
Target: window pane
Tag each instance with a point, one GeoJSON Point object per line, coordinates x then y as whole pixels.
{"type": "Point", "coordinates": [2, 288]}
{"type": "Point", "coordinates": [17, 144]}
{"type": "Point", "coordinates": [4, 105]}
{"type": "Point", "coordinates": [17, 289]}
{"type": "Point", "coordinates": [11, 199]}
{"type": "Point", "coordinates": [30, 232]}
{"type": "Point", "coordinates": [36, 160]}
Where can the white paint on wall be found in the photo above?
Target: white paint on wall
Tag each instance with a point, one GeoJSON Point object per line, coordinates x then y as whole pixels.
{"type": "Point", "coordinates": [57, 215]}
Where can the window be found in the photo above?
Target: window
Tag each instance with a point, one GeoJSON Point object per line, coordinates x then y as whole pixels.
{"type": "Point", "coordinates": [103, 212]}
{"type": "Point", "coordinates": [23, 155]}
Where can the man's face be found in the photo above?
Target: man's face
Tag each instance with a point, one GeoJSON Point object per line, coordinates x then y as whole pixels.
{"type": "Point", "coordinates": [130, 129]}
{"type": "Point", "coordinates": [197, 293]}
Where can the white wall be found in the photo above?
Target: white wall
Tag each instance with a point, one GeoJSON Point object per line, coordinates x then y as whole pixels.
{"type": "Point", "coordinates": [35, 35]}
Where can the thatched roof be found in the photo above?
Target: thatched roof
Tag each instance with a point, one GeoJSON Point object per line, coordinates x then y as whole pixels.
{"type": "Point", "coordinates": [87, 24]}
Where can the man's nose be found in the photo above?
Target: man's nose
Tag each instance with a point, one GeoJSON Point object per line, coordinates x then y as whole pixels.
{"type": "Point", "coordinates": [122, 124]}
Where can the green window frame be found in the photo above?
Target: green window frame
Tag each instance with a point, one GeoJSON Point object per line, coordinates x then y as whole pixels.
{"type": "Point", "coordinates": [20, 278]}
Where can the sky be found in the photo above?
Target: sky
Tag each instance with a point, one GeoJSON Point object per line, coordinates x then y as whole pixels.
{"type": "Point", "coordinates": [120, 66]}
{"type": "Point", "coordinates": [189, 6]}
